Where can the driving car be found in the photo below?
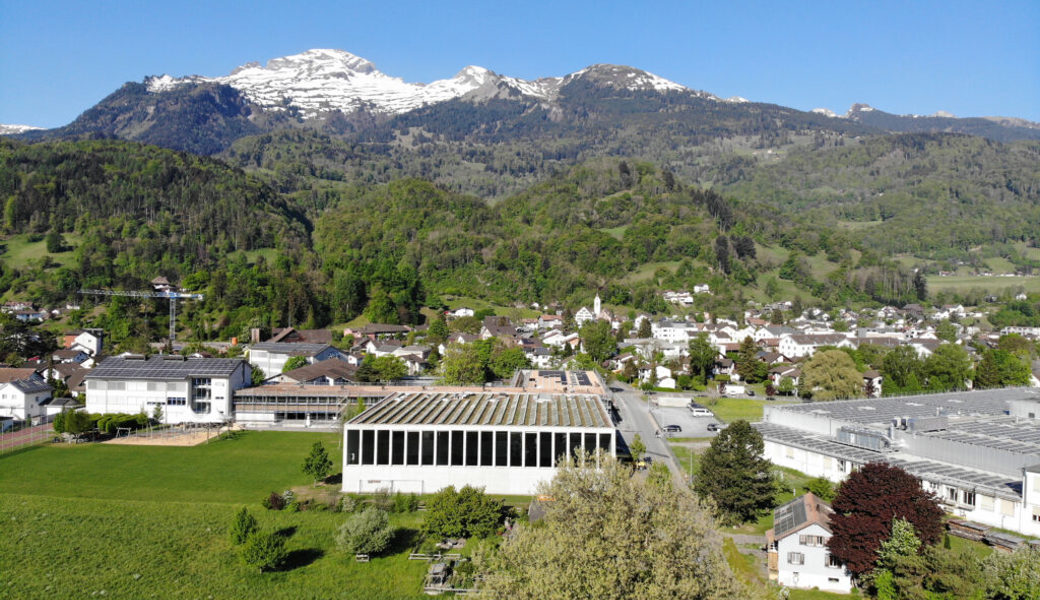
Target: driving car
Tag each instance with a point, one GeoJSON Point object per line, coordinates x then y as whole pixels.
{"type": "Point", "coordinates": [713, 426]}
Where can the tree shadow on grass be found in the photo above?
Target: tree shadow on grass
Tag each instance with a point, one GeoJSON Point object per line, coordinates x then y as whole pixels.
{"type": "Point", "coordinates": [301, 558]}
{"type": "Point", "coordinates": [286, 532]}
{"type": "Point", "coordinates": [336, 479]}
{"type": "Point", "coordinates": [404, 539]}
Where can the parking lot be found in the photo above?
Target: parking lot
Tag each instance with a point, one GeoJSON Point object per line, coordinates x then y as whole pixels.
{"type": "Point", "coordinates": [692, 427]}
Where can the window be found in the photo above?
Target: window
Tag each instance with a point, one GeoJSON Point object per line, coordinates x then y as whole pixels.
{"type": "Point", "coordinates": [176, 401]}
{"type": "Point", "coordinates": [576, 444]}
{"type": "Point", "coordinates": [516, 449]}
{"type": "Point", "coordinates": [1036, 513]}
{"type": "Point", "coordinates": [487, 445]}
{"type": "Point", "coordinates": [457, 447]}
{"type": "Point", "coordinates": [472, 448]}
{"type": "Point", "coordinates": [560, 449]}
{"type": "Point", "coordinates": [382, 447]}
{"type": "Point", "coordinates": [545, 452]}
{"type": "Point", "coordinates": [412, 449]}
{"type": "Point", "coordinates": [969, 498]}
{"type": "Point", "coordinates": [985, 502]}
{"type": "Point", "coordinates": [530, 449]}
{"type": "Point", "coordinates": [795, 558]}
{"type": "Point", "coordinates": [832, 579]}
{"type": "Point", "coordinates": [832, 562]}
{"type": "Point", "coordinates": [443, 448]}
{"type": "Point", "coordinates": [427, 447]}
{"type": "Point", "coordinates": [951, 493]}
{"type": "Point", "coordinates": [397, 447]}
{"type": "Point", "coordinates": [1007, 508]}
{"type": "Point", "coordinates": [604, 442]}
{"type": "Point", "coordinates": [353, 456]}
{"type": "Point", "coordinates": [368, 443]}
{"type": "Point", "coordinates": [501, 449]}
{"type": "Point", "coordinates": [811, 540]}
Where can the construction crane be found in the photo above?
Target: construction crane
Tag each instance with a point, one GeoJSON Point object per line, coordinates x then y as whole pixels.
{"type": "Point", "coordinates": [172, 296]}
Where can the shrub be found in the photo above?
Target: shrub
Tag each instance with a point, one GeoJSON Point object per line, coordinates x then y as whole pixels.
{"type": "Point", "coordinates": [242, 527]}
{"type": "Point", "coordinates": [274, 501]}
{"type": "Point", "coordinates": [404, 503]}
{"type": "Point", "coordinates": [463, 513]}
{"type": "Point", "coordinates": [367, 532]}
{"type": "Point", "coordinates": [350, 503]}
{"type": "Point", "coordinates": [382, 500]}
{"type": "Point", "coordinates": [265, 551]}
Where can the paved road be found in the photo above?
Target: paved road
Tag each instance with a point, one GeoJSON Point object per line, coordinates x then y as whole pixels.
{"type": "Point", "coordinates": [636, 418]}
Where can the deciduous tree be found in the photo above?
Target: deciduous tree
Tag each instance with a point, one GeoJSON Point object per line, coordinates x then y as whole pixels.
{"type": "Point", "coordinates": [830, 375]}
{"type": "Point", "coordinates": [366, 532]}
{"type": "Point", "coordinates": [865, 506]}
{"type": "Point", "coordinates": [611, 536]}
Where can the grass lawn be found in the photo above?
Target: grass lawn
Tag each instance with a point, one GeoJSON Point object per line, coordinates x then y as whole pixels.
{"type": "Point", "coordinates": [151, 522]}
{"type": "Point", "coordinates": [238, 470]}
{"type": "Point", "coordinates": [990, 284]}
{"type": "Point", "coordinates": [732, 409]}
{"type": "Point", "coordinates": [645, 272]}
{"type": "Point", "coordinates": [18, 250]}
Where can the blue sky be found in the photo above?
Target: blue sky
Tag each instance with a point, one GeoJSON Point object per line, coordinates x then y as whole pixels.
{"type": "Point", "coordinates": [59, 58]}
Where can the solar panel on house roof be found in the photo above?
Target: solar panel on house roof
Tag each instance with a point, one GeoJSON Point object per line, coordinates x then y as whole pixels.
{"type": "Point", "coordinates": [789, 517]}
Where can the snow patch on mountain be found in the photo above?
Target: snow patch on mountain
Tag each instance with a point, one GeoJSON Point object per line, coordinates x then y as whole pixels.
{"type": "Point", "coordinates": [737, 99]}
{"type": "Point", "coordinates": [825, 112]}
{"type": "Point", "coordinates": [16, 129]}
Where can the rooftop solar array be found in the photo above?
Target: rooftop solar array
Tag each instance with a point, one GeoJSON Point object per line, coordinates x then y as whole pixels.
{"type": "Point", "coordinates": [881, 411]}
{"type": "Point", "coordinates": [488, 409]}
{"type": "Point", "coordinates": [159, 367]}
{"type": "Point", "coordinates": [1002, 433]}
{"type": "Point", "coordinates": [789, 517]}
{"type": "Point", "coordinates": [926, 469]}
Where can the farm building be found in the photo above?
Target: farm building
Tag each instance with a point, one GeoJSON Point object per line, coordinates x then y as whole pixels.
{"type": "Point", "coordinates": [505, 442]}
{"type": "Point", "coordinates": [189, 390]}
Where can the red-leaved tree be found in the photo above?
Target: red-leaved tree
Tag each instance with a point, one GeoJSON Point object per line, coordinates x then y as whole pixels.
{"type": "Point", "coordinates": [865, 506]}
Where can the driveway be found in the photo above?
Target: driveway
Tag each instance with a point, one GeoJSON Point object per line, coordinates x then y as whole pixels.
{"type": "Point", "coordinates": [636, 418]}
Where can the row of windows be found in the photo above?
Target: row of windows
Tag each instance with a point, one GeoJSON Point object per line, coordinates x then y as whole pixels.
{"type": "Point", "coordinates": [469, 448]}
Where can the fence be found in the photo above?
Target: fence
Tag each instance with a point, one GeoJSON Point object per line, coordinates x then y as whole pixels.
{"type": "Point", "coordinates": [14, 439]}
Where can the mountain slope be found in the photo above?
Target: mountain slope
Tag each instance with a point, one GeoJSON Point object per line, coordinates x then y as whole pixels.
{"type": "Point", "coordinates": [994, 128]}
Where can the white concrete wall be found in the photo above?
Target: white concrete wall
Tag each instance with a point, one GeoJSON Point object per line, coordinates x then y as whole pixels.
{"type": "Point", "coordinates": [428, 479]}
{"type": "Point", "coordinates": [814, 572]}
{"type": "Point", "coordinates": [138, 396]}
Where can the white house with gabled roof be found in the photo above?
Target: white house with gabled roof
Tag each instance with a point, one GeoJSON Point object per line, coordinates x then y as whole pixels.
{"type": "Point", "coordinates": [797, 547]}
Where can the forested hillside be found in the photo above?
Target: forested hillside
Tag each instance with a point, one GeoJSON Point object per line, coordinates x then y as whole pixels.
{"type": "Point", "coordinates": [329, 231]}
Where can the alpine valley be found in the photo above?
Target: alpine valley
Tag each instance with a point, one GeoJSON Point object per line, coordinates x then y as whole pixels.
{"type": "Point", "coordinates": [317, 188]}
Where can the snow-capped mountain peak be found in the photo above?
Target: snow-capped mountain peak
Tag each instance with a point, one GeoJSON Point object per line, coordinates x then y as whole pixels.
{"type": "Point", "coordinates": [321, 80]}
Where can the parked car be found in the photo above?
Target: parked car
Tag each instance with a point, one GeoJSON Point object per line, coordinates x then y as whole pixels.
{"type": "Point", "coordinates": [713, 426]}
{"type": "Point", "coordinates": [672, 429]}
{"type": "Point", "coordinates": [751, 392]}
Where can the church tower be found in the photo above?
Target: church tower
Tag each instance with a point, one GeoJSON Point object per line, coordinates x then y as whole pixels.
{"type": "Point", "coordinates": [597, 306]}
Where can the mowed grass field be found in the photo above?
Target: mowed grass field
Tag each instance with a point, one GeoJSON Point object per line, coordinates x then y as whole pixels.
{"type": "Point", "coordinates": [100, 521]}
{"type": "Point", "coordinates": [964, 283]}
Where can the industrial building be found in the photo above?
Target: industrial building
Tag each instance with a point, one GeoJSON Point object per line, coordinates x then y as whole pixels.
{"type": "Point", "coordinates": [978, 452]}
{"type": "Point", "coordinates": [504, 441]}
{"type": "Point", "coordinates": [189, 390]}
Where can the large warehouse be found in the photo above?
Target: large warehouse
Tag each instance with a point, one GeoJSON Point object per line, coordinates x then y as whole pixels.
{"type": "Point", "coordinates": [189, 390]}
{"type": "Point", "coordinates": [979, 452]}
{"type": "Point", "coordinates": [505, 442]}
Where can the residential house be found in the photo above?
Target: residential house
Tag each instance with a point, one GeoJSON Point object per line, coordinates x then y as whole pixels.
{"type": "Point", "coordinates": [797, 547]}
{"type": "Point", "coordinates": [24, 394]}
{"type": "Point", "coordinates": [331, 371]}
{"type": "Point", "coordinates": [270, 357]}
{"type": "Point", "coordinates": [498, 327]}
